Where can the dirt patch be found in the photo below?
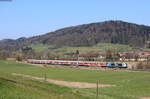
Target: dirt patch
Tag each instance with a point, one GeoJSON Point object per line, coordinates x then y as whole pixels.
{"type": "Point", "coordinates": [65, 83]}
{"type": "Point", "coordinates": [145, 98]}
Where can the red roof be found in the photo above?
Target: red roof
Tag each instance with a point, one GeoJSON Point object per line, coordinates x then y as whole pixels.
{"type": "Point", "coordinates": [145, 54]}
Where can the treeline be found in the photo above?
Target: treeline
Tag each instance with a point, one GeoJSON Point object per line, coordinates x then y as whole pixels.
{"type": "Point", "coordinates": [28, 53]}
{"type": "Point", "coordinates": [117, 32]}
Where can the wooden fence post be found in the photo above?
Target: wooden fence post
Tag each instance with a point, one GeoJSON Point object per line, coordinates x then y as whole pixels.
{"type": "Point", "coordinates": [45, 77]}
{"type": "Point", "coordinates": [97, 90]}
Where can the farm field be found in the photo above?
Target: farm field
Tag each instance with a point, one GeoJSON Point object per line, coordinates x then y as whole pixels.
{"type": "Point", "coordinates": [128, 85]}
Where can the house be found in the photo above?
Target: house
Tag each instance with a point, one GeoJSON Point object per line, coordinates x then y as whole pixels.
{"type": "Point", "coordinates": [144, 55]}
{"type": "Point", "coordinates": [134, 55]}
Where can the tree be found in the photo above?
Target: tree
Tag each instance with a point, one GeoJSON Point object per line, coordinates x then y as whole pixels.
{"type": "Point", "coordinates": [2, 55]}
{"type": "Point", "coordinates": [77, 52]}
{"type": "Point", "coordinates": [109, 55]}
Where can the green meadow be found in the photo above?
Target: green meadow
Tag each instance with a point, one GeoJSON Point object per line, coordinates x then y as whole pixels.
{"type": "Point", "coordinates": [128, 85]}
{"type": "Point", "coordinates": [83, 49]}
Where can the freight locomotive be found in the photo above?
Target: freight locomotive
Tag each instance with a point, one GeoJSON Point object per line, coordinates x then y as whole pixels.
{"type": "Point", "coordinates": [80, 63]}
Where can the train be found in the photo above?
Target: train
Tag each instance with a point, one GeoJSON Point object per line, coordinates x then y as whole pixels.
{"type": "Point", "coordinates": [80, 63]}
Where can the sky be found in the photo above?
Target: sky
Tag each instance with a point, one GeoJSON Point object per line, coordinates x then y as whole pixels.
{"type": "Point", "coordinates": [26, 18]}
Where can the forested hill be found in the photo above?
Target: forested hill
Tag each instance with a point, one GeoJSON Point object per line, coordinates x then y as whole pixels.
{"type": "Point", "coordinates": [90, 34]}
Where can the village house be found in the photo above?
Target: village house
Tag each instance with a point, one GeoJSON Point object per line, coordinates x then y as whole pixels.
{"type": "Point", "coordinates": [144, 56]}
{"type": "Point", "coordinates": [134, 55]}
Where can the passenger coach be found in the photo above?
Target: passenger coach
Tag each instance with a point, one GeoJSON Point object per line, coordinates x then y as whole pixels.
{"type": "Point", "coordinates": [80, 63]}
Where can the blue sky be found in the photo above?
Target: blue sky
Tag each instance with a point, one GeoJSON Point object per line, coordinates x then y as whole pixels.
{"type": "Point", "coordinates": [25, 18]}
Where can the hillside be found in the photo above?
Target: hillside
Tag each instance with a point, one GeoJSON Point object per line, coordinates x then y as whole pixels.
{"type": "Point", "coordinates": [82, 49]}
{"type": "Point", "coordinates": [116, 32]}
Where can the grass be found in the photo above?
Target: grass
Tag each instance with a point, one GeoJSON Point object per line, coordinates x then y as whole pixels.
{"type": "Point", "coordinates": [129, 85]}
{"type": "Point", "coordinates": [40, 47]}
{"type": "Point", "coordinates": [83, 49]}
{"type": "Point", "coordinates": [20, 88]}
{"type": "Point", "coordinates": [98, 47]}
{"type": "Point", "coordinates": [35, 90]}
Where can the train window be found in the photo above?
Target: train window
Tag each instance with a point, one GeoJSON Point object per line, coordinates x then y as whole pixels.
{"type": "Point", "coordinates": [119, 64]}
{"type": "Point", "coordinates": [113, 64]}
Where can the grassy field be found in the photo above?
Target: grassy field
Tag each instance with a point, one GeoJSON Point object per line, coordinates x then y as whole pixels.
{"type": "Point", "coordinates": [129, 85]}
{"type": "Point", "coordinates": [40, 47]}
{"type": "Point", "coordinates": [28, 89]}
{"type": "Point", "coordinates": [85, 49]}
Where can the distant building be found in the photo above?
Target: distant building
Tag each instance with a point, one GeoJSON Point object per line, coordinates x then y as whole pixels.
{"type": "Point", "coordinates": [144, 55]}
{"type": "Point", "coordinates": [134, 55]}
